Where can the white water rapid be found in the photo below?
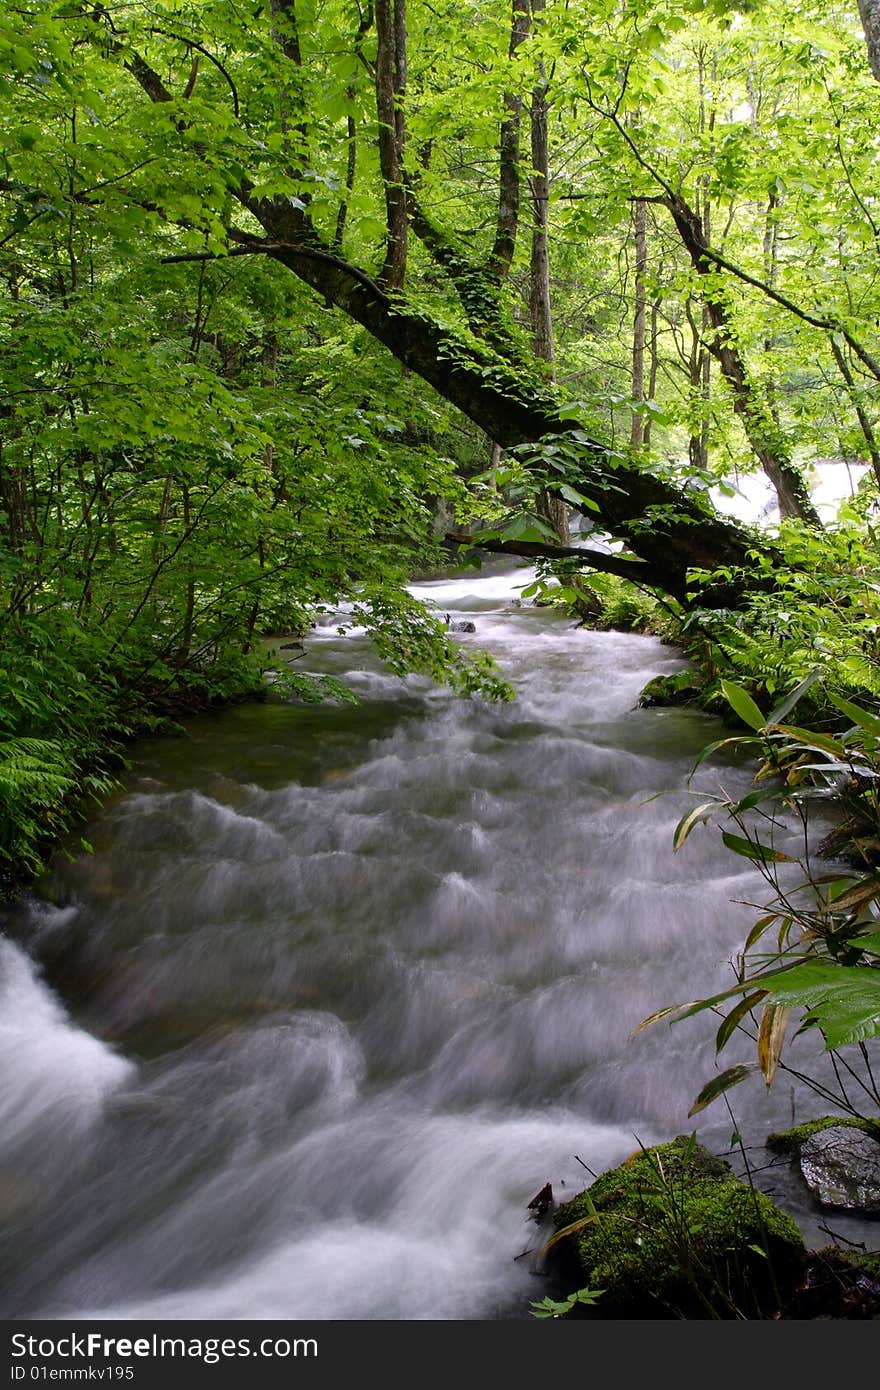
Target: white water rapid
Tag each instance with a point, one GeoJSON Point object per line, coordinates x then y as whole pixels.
{"type": "Point", "coordinates": [345, 987]}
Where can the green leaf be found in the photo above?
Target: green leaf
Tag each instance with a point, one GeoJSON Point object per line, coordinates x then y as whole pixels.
{"type": "Point", "coordinates": [786, 705]}
{"type": "Point", "coordinates": [554, 1308]}
{"type": "Point", "coordinates": [735, 1017]}
{"type": "Point", "coordinates": [577, 499]}
{"type": "Point", "coordinates": [860, 717]}
{"type": "Point", "coordinates": [757, 798]}
{"type": "Point", "coordinates": [759, 929]}
{"type": "Point", "coordinates": [743, 705]}
{"type": "Point", "coordinates": [869, 942]}
{"type": "Point", "coordinates": [719, 1084]}
{"type": "Point", "coordinates": [843, 999]}
{"type": "Point", "coordinates": [720, 743]}
{"type": "Point", "coordinates": [755, 850]}
{"type": "Point", "coordinates": [811, 739]}
{"type": "Point", "coordinates": [527, 527]}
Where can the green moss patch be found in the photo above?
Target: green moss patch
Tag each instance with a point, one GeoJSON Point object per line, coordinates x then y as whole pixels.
{"type": "Point", "coordinates": [789, 1141]}
{"type": "Point", "coordinates": [672, 1233]}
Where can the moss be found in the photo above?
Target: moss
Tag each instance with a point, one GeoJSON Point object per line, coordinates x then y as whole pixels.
{"type": "Point", "coordinates": [789, 1141]}
{"type": "Point", "coordinates": [682, 688]}
{"type": "Point", "coordinates": [673, 1233]}
{"type": "Point", "coordinates": [862, 1261]}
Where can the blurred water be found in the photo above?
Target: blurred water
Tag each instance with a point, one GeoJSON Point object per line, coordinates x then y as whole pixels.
{"type": "Point", "coordinates": [346, 987]}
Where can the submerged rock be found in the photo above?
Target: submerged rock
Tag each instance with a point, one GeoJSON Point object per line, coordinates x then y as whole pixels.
{"type": "Point", "coordinates": [681, 688]}
{"type": "Point", "coordinates": [672, 1233]}
{"type": "Point", "coordinates": [839, 1160]}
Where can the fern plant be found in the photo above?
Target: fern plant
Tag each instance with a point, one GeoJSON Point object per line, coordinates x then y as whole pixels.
{"type": "Point", "coordinates": [36, 777]}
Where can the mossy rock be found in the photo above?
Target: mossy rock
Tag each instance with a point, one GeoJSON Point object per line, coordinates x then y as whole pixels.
{"type": "Point", "coordinates": [791, 1141]}
{"type": "Point", "coordinates": [672, 1233]}
{"type": "Point", "coordinates": [682, 688]}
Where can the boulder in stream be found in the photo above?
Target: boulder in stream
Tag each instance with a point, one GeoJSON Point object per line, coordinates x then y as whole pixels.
{"type": "Point", "coordinates": [839, 1160]}
{"type": "Point", "coordinates": [681, 688]}
{"type": "Point", "coordinates": [672, 1233]}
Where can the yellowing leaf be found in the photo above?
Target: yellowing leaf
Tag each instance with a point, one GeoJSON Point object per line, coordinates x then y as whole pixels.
{"type": "Point", "coordinates": [688, 821]}
{"type": "Point", "coordinates": [771, 1036]}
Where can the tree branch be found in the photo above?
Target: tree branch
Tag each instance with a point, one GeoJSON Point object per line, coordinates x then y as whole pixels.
{"type": "Point", "coordinates": [639, 571]}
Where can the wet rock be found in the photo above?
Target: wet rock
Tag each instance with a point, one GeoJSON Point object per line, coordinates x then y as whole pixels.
{"type": "Point", "coordinates": [672, 1233]}
{"type": "Point", "coordinates": [839, 1160]}
{"type": "Point", "coordinates": [460, 625]}
{"type": "Point", "coordinates": [841, 1167]}
{"type": "Point", "coordinates": [791, 1141]}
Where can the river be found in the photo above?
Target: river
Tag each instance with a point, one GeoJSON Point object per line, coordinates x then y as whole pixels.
{"type": "Point", "coordinates": [339, 989]}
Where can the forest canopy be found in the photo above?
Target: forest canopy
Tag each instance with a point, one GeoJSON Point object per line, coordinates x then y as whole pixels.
{"type": "Point", "coordinates": [292, 290]}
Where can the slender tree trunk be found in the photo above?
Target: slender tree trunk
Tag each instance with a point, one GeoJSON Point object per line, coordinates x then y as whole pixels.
{"type": "Point", "coordinates": [269, 375]}
{"type": "Point", "coordinates": [654, 361]}
{"type": "Point", "coordinates": [541, 310]}
{"type": "Point", "coordinates": [181, 656]}
{"type": "Point", "coordinates": [640, 316]}
{"type": "Point", "coordinates": [390, 92]}
{"type": "Point", "coordinates": [507, 220]}
{"type": "Point", "coordinates": [858, 404]}
{"type": "Point", "coordinates": [553, 509]}
{"type": "Point", "coordinates": [286, 34]}
{"type": "Point", "coordinates": [764, 436]}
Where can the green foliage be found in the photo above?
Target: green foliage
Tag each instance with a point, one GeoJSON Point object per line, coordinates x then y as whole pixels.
{"type": "Point", "coordinates": [196, 453]}
{"type": "Point", "coordinates": [812, 627]}
{"type": "Point", "coordinates": [602, 601]}
{"type": "Point", "coordinates": [557, 1308]}
{"type": "Point", "coordinates": [36, 777]}
{"type": "Point", "coordinates": [312, 690]}
{"type": "Point", "coordinates": [409, 638]}
{"type": "Point", "coordinates": [826, 956]}
{"type": "Point", "coordinates": [626, 608]}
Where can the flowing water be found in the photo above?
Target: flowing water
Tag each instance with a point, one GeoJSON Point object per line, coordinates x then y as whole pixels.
{"type": "Point", "coordinates": [343, 988]}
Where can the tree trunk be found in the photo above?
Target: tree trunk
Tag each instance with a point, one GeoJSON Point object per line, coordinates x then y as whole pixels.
{"type": "Point", "coordinates": [507, 220]}
{"type": "Point", "coordinates": [863, 417]}
{"type": "Point", "coordinates": [654, 359]}
{"type": "Point", "coordinates": [551, 508]}
{"type": "Point", "coordinates": [870, 13]}
{"type": "Point", "coordinates": [390, 89]}
{"type": "Point", "coordinates": [637, 429]}
{"type": "Point", "coordinates": [765, 438]}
